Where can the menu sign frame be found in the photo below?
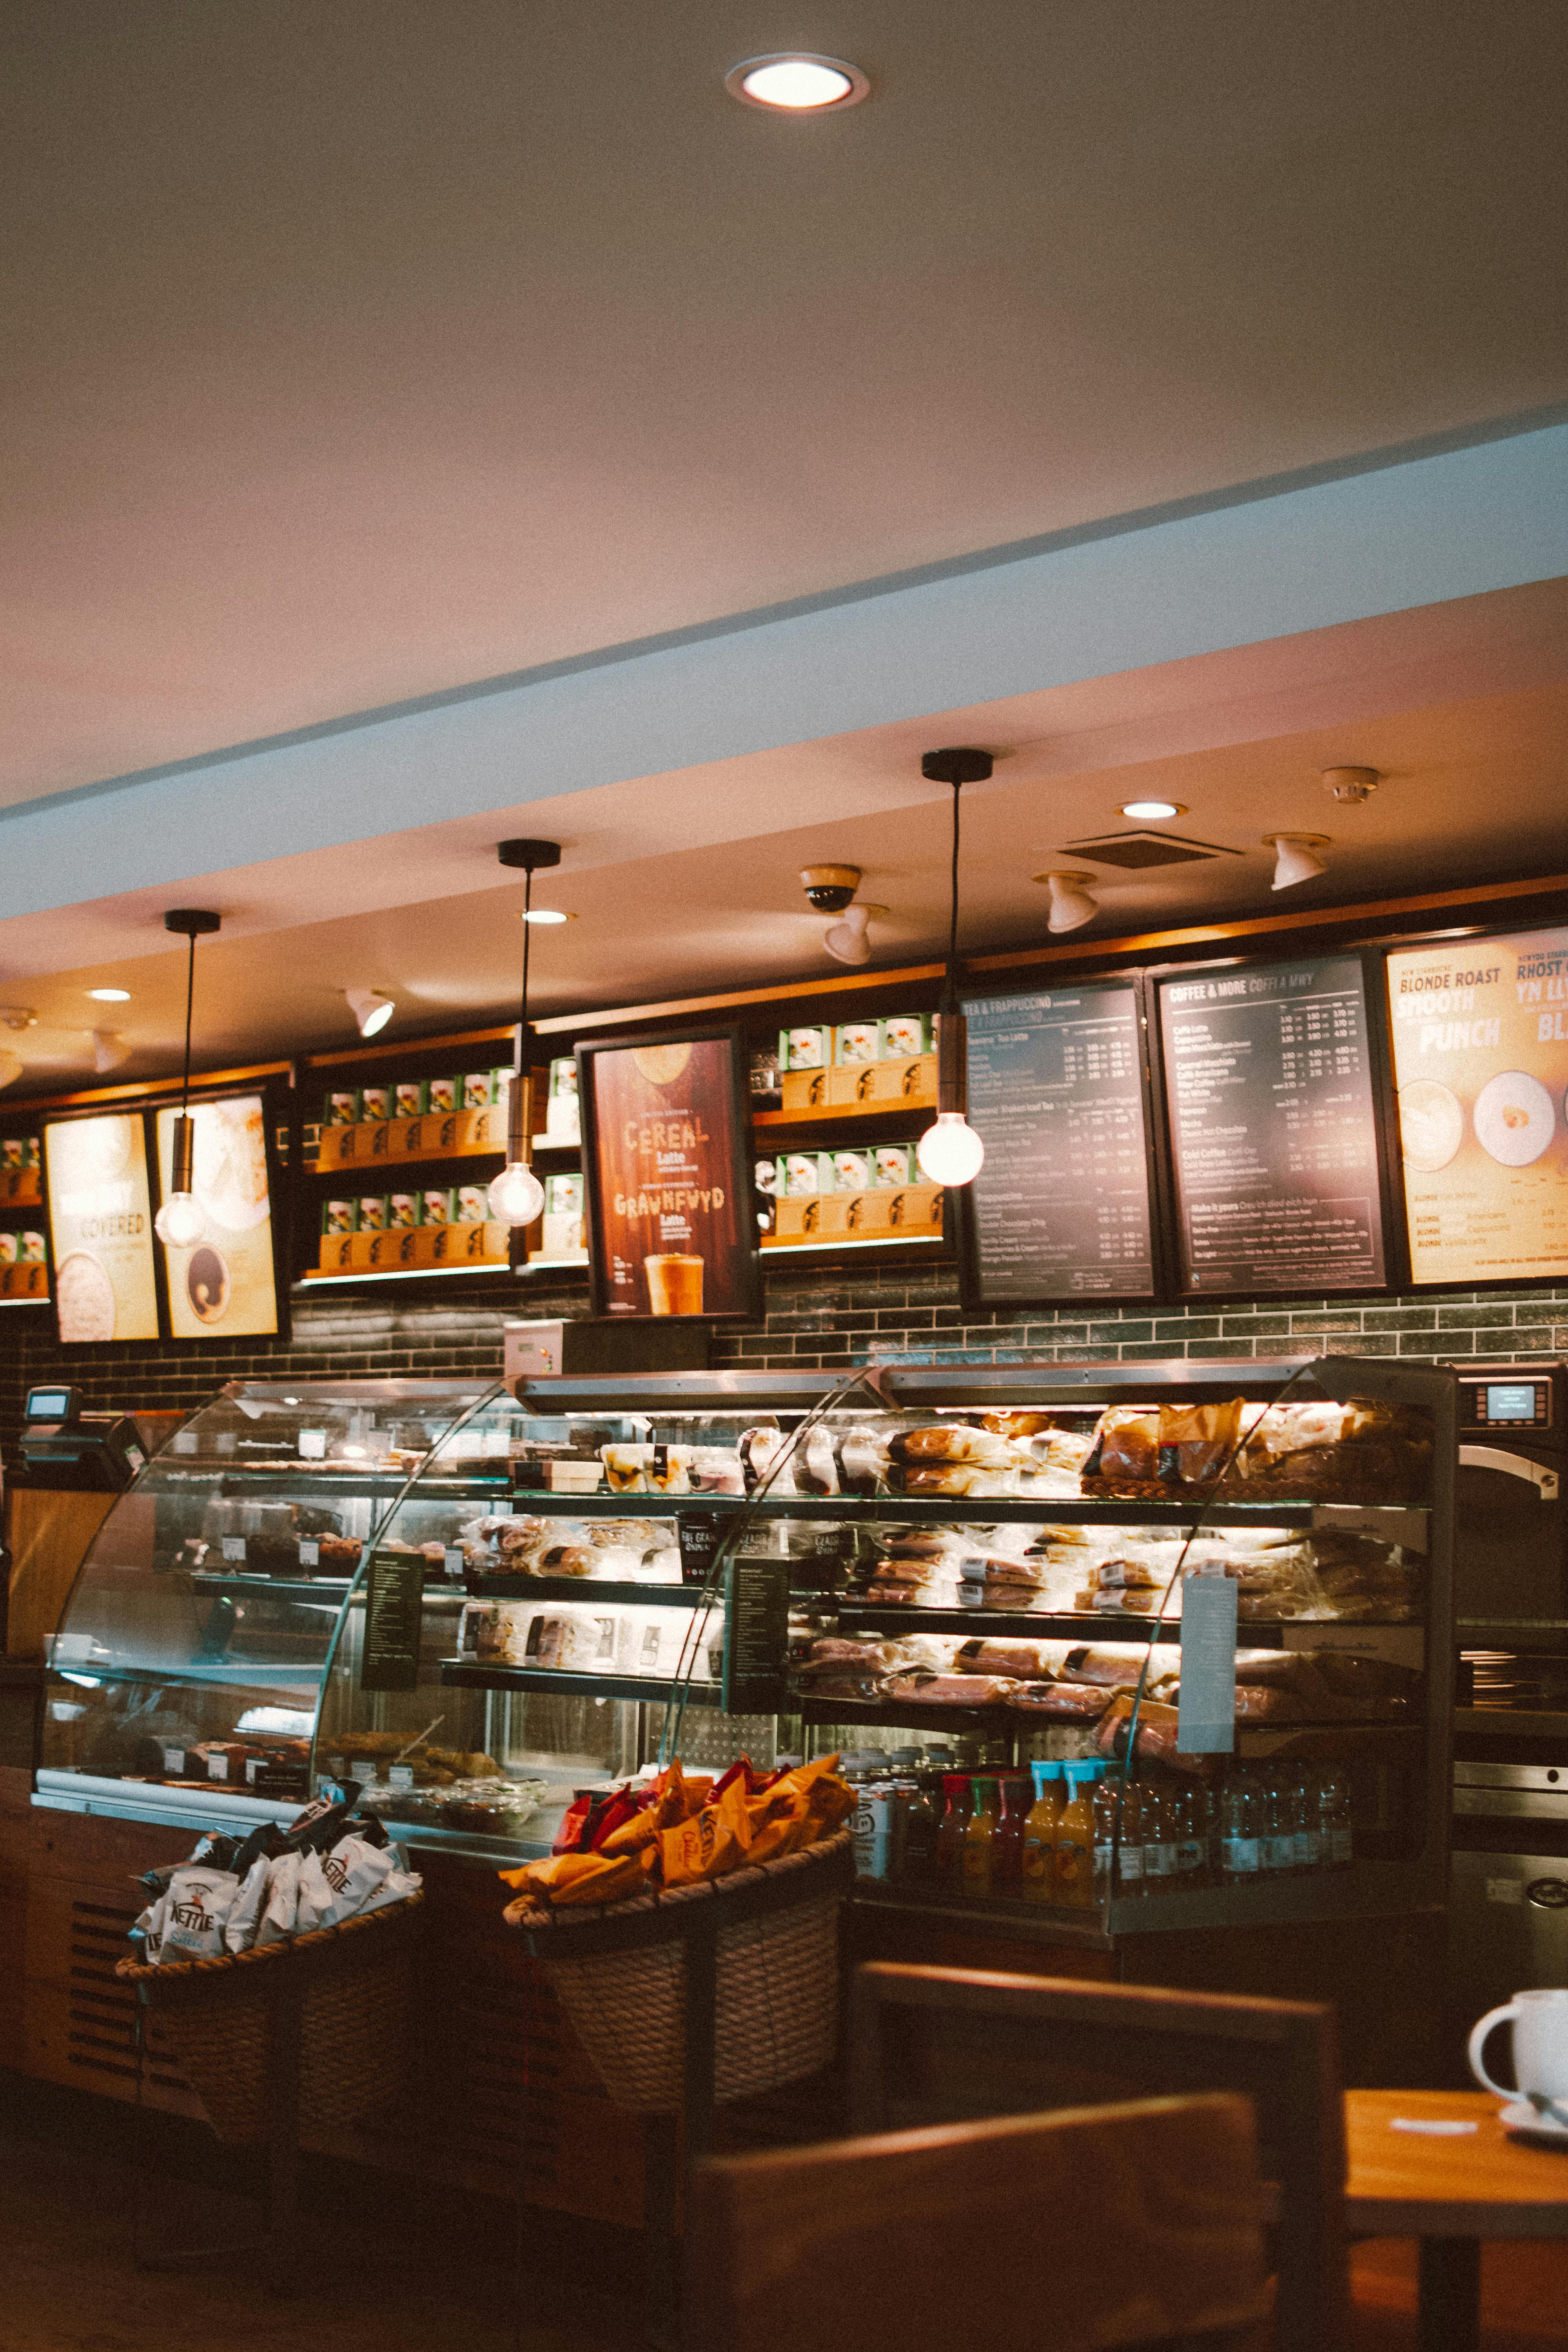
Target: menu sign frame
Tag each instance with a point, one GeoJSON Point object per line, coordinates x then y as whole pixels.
{"type": "Point", "coordinates": [667, 1167]}
{"type": "Point", "coordinates": [979, 1288]}
{"type": "Point", "coordinates": [98, 1190]}
{"type": "Point", "coordinates": [1486, 1027]}
{"type": "Point", "coordinates": [220, 1272]}
{"type": "Point", "coordinates": [1314, 1058]}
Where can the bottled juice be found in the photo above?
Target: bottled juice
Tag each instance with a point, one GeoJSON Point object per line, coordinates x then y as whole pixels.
{"type": "Point", "coordinates": [1074, 1848]}
{"type": "Point", "coordinates": [1008, 1868]}
{"type": "Point", "coordinates": [1107, 1798]}
{"type": "Point", "coordinates": [1038, 1843]}
{"type": "Point", "coordinates": [955, 1810]}
{"type": "Point", "coordinates": [980, 1838]}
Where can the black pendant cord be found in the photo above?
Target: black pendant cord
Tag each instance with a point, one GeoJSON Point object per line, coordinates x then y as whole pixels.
{"type": "Point", "coordinates": [527, 936]}
{"type": "Point", "coordinates": [952, 927]}
{"type": "Point", "coordinates": [190, 998]}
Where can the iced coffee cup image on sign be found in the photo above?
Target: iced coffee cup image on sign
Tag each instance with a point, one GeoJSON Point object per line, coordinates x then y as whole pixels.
{"type": "Point", "coordinates": [674, 1284]}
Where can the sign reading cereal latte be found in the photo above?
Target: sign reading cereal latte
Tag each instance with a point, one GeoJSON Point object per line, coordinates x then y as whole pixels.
{"type": "Point", "coordinates": [666, 1156]}
{"type": "Point", "coordinates": [1480, 1061]}
{"type": "Point", "coordinates": [101, 1221]}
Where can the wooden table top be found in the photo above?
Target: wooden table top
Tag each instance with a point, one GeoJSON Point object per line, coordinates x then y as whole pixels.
{"type": "Point", "coordinates": [1476, 2184]}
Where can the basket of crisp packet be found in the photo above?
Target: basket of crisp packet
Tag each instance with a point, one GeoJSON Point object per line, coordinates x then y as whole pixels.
{"type": "Point", "coordinates": [320, 1914]}
{"type": "Point", "coordinates": [763, 1857]}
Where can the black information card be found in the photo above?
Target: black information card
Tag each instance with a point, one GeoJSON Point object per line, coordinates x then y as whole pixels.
{"type": "Point", "coordinates": [1273, 1128]}
{"type": "Point", "coordinates": [756, 1636]}
{"type": "Point", "coordinates": [1060, 1209]}
{"type": "Point", "coordinates": [393, 1611]}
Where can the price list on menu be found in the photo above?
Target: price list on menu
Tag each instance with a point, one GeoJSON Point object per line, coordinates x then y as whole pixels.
{"type": "Point", "coordinates": [1273, 1128]}
{"type": "Point", "coordinates": [1060, 1209]}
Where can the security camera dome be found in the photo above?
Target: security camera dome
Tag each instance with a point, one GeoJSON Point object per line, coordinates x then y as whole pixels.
{"type": "Point", "coordinates": [830, 889]}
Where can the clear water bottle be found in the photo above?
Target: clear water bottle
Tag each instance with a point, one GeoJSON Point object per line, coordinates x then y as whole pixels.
{"type": "Point", "coordinates": [1241, 1829]}
{"type": "Point", "coordinates": [1335, 1843]}
{"type": "Point", "coordinates": [1159, 1840]}
{"type": "Point", "coordinates": [1107, 1798]}
{"type": "Point", "coordinates": [1129, 1796]}
{"type": "Point", "coordinates": [1188, 1812]}
{"type": "Point", "coordinates": [1278, 1826]}
{"type": "Point", "coordinates": [1304, 1809]}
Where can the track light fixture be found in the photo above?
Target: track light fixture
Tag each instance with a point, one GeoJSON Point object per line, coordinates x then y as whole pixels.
{"type": "Point", "coordinates": [109, 1050]}
{"type": "Point", "coordinates": [951, 1153]}
{"type": "Point", "coordinates": [179, 1223]}
{"type": "Point", "coordinates": [1071, 902]}
{"type": "Point", "coordinates": [370, 1009]}
{"type": "Point", "coordinates": [517, 1196]}
{"type": "Point", "coordinates": [846, 940]}
{"type": "Point", "coordinates": [1294, 858]}
{"type": "Point", "coordinates": [11, 1067]}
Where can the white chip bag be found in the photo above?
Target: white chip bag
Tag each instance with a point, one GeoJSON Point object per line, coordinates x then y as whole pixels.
{"type": "Point", "coordinates": [197, 1904]}
{"type": "Point", "coordinates": [282, 1900]}
{"type": "Point", "coordinates": [245, 1914]}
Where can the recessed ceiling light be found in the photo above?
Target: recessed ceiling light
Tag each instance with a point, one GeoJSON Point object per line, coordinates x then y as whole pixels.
{"type": "Point", "coordinates": [110, 995]}
{"type": "Point", "coordinates": [546, 915]}
{"type": "Point", "coordinates": [1150, 812]}
{"type": "Point", "coordinates": [795, 82]}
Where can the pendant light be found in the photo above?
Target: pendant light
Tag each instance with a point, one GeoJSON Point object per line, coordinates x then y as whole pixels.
{"type": "Point", "coordinates": [951, 1152]}
{"type": "Point", "coordinates": [517, 1196]}
{"type": "Point", "coordinates": [179, 1223]}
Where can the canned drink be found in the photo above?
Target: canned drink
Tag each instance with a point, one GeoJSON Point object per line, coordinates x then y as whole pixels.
{"type": "Point", "coordinates": [875, 1818]}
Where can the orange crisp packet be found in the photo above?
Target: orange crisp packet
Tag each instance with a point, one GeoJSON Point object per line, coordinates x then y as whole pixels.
{"type": "Point", "coordinates": [713, 1842]}
{"type": "Point", "coordinates": [669, 1807]}
{"type": "Point", "coordinates": [576, 1878]}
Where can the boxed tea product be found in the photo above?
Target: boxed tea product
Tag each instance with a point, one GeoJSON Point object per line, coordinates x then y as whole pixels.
{"type": "Point", "coordinates": [562, 1232]}
{"type": "Point", "coordinates": [33, 1250]}
{"type": "Point", "coordinates": [402, 1210]}
{"type": "Point", "coordinates": [858, 1041]}
{"type": "Point", "coordinates": [904, 1035]}
{"type": "Point", "coordinates": [478, 1091]}
{"type": "Point", "coordinates": [561, 1122]}
{"type": "Point", "coordinates": [376, 1102]}
{"type": "Point", "coordinates": [441, 1094]}
{"type": "Point", "coordinates": [372, 1212]}
{"type": "Point", "coordinates": [851, 1170]}
{"type": "Point", "coordinates": [340, 1216]}
{"type": "Point", "coordinates": [892, 1164]}
{"type": "Point", "coordinates": [804, 1049]}
{"type": "Point", "coordinates": [438, 1206]}
{"type": "Point", "coordinates": [765, 1176]}
{"type": "Point", "coordinates": [410, 1098]}
{"type": "Point", "coordinates": [11, 1152]}
{"type": "Point", "coordinates": [800, 1171]}
{"type": "Point", "coordinates": [473, 1205]}
{"type": "Point", "coordinates": [341, 1109]}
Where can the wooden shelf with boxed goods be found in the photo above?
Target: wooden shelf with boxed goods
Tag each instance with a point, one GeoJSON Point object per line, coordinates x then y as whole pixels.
{"type": "Point", "coordinates": [882, 1212]}
{"type": "Point", "coordinates": [395, 1142]}
{"type": "Point", "coordinates": [24, 1286]}
{"type": "Point", "coordinates": [21, 1188]}
{"type": "Point", "coordinates": [427, 1249]}
{"type": "Point", "coordinates": [853, 1090]}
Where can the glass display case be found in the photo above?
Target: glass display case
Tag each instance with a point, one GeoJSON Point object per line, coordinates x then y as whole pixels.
{"type": "Point", "coordinates": [1105, 1649]}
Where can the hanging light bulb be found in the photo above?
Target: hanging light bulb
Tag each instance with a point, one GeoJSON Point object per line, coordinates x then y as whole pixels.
{"type": "Point", "coordinates": [1293, 857]}
{"type": "Point", "coordinates": [951, 1152]}
{"type": "Point", "coordinates": [1071, 902]}
{"type": "Point", "coordinates": [179, 1222]}
{"type": "Point", "coordinates": [516, 1196]}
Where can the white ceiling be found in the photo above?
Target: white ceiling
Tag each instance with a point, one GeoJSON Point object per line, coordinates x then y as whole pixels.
{"type": "Point", "coordinates": [355, 354]}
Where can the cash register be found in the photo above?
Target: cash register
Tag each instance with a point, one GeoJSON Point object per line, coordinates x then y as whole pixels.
{"type": "Point", "coordinates": [63, 1447]}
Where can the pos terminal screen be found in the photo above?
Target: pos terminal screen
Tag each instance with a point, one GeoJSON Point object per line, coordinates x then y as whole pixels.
{"type": "Point", "coordinates": [1510, 1401]}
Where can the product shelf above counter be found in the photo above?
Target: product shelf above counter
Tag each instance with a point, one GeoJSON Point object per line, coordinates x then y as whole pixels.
{"type": "Point", "coordinates": [963, 1510]}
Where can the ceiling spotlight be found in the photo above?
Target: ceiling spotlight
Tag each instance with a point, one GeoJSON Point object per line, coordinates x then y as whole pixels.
{"type": "Point", "coordinates": [1293, 857]}
{"type": "Point", "coordinates": [847, 940]}
{"type": "Point", "coordinates": [1351, 786]}
{"type": "Point", "coordinates": [1071, 902]}
{"type": "Point", "coordinates": [110, 995]}
{"type": "Point", "coordinates": [370, 1009]}
{"type": "Point", "coordinates": [18, 1016]}
{"type": "Point", "coordinates": [10, 1068]}
{"type": "Point", "coordinates": [109, 1050]}
{"type": "Point", "coordinates": [1151, 812]}
{"type": "Point", "coordinates": [545, 914]}
{"type": "Point", "coordinates": [796, 82]}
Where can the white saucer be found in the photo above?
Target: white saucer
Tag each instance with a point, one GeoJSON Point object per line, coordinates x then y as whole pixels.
{"type": "Point", "coordinates": [1519, 2115]}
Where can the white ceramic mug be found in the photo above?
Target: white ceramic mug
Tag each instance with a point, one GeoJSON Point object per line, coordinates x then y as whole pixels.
{"type": "Point", "coordinates": [1540, 2020]}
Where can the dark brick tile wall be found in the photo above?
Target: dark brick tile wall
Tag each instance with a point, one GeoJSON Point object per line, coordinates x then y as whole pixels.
{"type": "Point", "coordinates": [815, 1317]}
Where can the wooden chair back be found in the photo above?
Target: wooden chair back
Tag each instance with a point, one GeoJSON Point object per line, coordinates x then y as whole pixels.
{"type": "Point", "coordinates": [931, 2045]}
{"type": "Point", "coordinates": [1136, 2224]}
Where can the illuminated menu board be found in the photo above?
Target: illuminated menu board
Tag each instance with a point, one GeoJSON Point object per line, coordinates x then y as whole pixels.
{"type": "Point", "coordinates": [1060, 1209]}
{"type": "Point", "coordinates": [101, 1221]}
{"type": "Point", "coordinates": [1480, 1061]}
{"type": "Point", "coordinates": [1273, 1128]}
{"type": "Point", "coordinates": [225, 1286]}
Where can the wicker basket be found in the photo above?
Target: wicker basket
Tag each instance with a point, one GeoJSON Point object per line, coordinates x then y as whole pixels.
{"type": "Point", "coordinates": [355, 1992]}
{"type": "Point", "coordinates": [777, 1977]}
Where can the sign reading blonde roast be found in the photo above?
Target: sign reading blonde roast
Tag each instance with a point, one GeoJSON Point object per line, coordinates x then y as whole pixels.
{"type": "Point", "coordinates": [225, 1286]}
{"type": "Point", "coordinates": [1481, 1062]}
{"type": "Point", "coordinates": [664, 1127]}
{"type": "Point", "coordinates": [101, 1221]}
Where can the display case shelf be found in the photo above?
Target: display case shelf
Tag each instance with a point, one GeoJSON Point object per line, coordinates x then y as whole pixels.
{"type": "Point", "coordinates": [1072, 1625]}
{"type": "Point", "coordinates": [940, 1511]}
{"type": "Point", "coordinates": [613, 1594]}
{"type": "Point", "coordinates": [461, 1673]}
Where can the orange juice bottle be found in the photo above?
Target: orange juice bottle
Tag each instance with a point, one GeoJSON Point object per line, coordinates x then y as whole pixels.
{"type": "Point", "coordinates": [1074, 1848]}
{"type": "Point", "coordinates": [1040, 1833]}
{"type": "Point", "coordinates": [980, 1840]}
{"type": "Point", "coordinates": [957, 1797]}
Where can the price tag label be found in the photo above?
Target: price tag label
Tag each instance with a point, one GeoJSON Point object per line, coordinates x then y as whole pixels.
{"type": "Point", "coordinates": [217, 1768]}
{"type": "Point", "coordinates": [452, 1562]}
{"type": "Point", "coordinates": [234, 1547]}
{"type": "Point", "coordinates": [312, 1445]}
{"type": "Point", "coordinates": [400, 1775]}
{"type": "Point", "coordinates": [309, 1552]}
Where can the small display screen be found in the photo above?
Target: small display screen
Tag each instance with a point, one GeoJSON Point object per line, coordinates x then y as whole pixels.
{"type": "Point", "coordinates": [48, 1404]}
{"type": "Point", "coordinates": [1510, 1401]}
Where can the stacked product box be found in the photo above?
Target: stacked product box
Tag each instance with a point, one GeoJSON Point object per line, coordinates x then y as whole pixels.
{"type": "Point", "coordinates": [884, 1062]}
{"type": "Point", "coordinates": [437, 1225]}
{"type": "Point", "coordinates": [874, 1191]}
